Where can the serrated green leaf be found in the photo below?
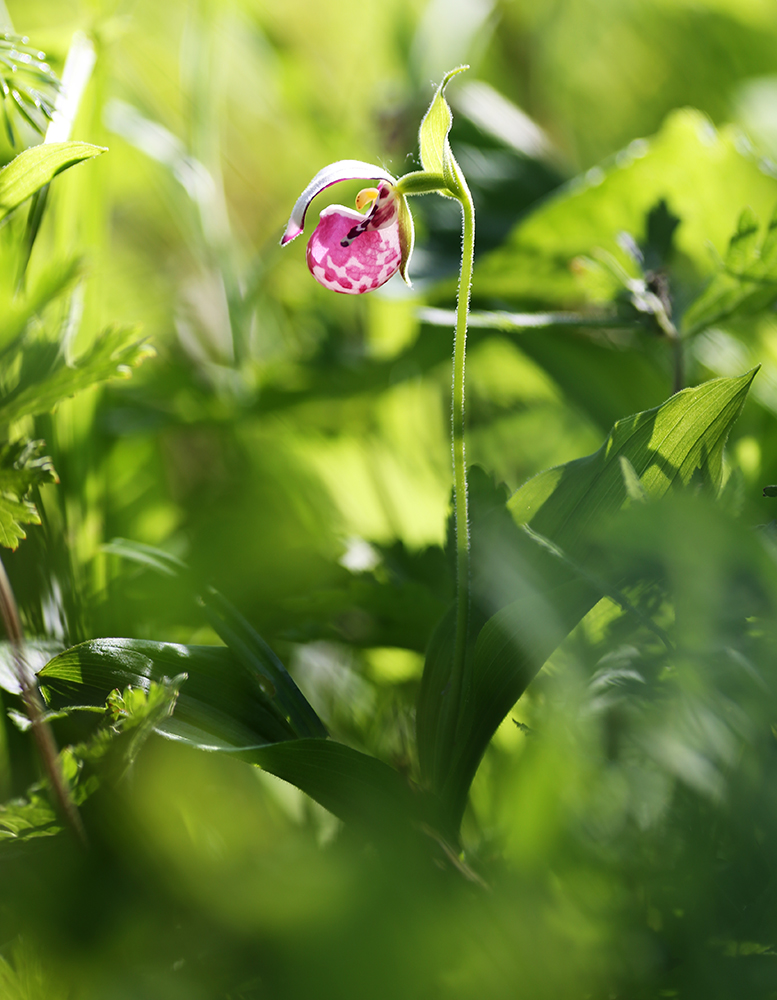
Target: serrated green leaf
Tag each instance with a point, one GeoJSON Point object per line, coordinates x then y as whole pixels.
{"type": "Point", "coordinates": [33, 168]}
{"type": "Point", "coordinates": [13, 514]}
{"type": "Point", "coordinates": [113, 355]}
{"type": "Point", "coordinates": [434, 147]}
{"type": "Point", "coordinates": [17, 309]}
{"type": "Point", "coordinates": [742, 250]}
{"type": "Point", "coordinates": [26, 818]}
{"type": "Point", "coordinates": [664, 447]}
{"type": "Point", "coordinates": [22, 466]}
{"type": "Point", "coordinates": [746, 281]}
{"type": "Point", "coordinates": [129, 718]}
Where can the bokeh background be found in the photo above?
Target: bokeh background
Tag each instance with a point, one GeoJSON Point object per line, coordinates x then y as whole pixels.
{"type": "Point", "coordinates": [291, 446]}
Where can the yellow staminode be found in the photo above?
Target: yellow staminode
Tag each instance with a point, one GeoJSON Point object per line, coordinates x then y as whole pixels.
{"type": "Point", "coordinates": [366, 197]}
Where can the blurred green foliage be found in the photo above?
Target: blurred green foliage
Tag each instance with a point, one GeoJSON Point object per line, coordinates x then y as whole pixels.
{"type": "Point", "coordinates": [290, 447]}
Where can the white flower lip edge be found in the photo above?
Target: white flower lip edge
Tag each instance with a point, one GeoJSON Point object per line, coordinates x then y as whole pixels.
{"type": "Point", "coordinates": [342, 170]}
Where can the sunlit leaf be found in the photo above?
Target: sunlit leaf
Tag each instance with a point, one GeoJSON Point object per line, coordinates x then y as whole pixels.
{"type": "Point", "coordinates": [113, 355]}
{"type": "Point", "coordinates": [21, 468]}
{"type": "Point", "coordinates": [33, 168]}
{"type": "Point", "coordinates": [13, 514]}
{"type": "Point", "coordinates": [435, 149]}
{"type": "Point", "coordinates": [665, 446]}
{"type": "Point", "coordinates": [705, 176]}
{"type": "Point", "coordinates": [29, 87]}
{"type": "Point", "coordinates": [747, 279]}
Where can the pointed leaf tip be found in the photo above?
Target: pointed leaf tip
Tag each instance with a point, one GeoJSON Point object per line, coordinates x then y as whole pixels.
{"type": "Point", "coordinates": [436, 155]}
{"type": "Point", "coordinates": [36, 167]}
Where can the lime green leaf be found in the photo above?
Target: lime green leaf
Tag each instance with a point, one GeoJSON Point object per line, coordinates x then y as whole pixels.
{"type": "Point", "coordinates": [29, 87]}
{"type": "Point", "coordinates": [113, 355]}
{"type": "Point", "coordinates": [22, 466]}
{"type": "Point", "coordinates": [18, 307]}
{"type": "Point", "coordinates": [29, 817]}
{"type": "Point", "coordinates": [13, 514]}
{"type": "Point", "coordinates": [436, 155]}
{"type": "Point", "coordinates": [664, 448]}
{"type": "Point", "coordinates": [36, 167]}
{"type": "Point", "coordinates": [704, 176]}
{"type": "Point", "coordinates": [746, 281]}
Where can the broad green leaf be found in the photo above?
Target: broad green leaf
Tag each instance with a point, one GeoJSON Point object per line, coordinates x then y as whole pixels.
{"type": "Point", "coordinates": [282, 696]}
{"type": "Point", "coordinates": [746, 281]}
{"type": "Point", "coordinates": [705, 176]}
{"type": "Point", "coordinates": [355, 787]}
{"type": "Point", "coordinates": [435, 149]}
{"type": "Point", "coordinates": [221, 707]}
{"type": "Point", "coordinates": [260, 661]}
{"type": "Point", "coordinates": [664, 447]}
{"type": "Point", "coordinates": [34, 168]}
{"type": "Point", "coordinates": [220, 704]}
{"type": "Point", "coordinates": [434, 683]}
{"type": "Point", "coordinates": [113, 355]}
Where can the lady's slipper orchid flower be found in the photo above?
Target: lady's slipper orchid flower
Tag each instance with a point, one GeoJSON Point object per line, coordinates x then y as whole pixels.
{"type": "Point", "coordinates": [354, 251]}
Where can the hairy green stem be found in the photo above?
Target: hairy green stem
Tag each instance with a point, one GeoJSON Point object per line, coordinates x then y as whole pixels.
{"type": "Point", "coordinates": [460, 682]}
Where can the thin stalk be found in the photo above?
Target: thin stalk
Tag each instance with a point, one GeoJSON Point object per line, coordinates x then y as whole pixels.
{"type": "Point", "coordinates": [41, 731]}
{"type": "Point", "coordinates": [460, 680]}
{"type": "Point", "coordinates": [679, 367]}
{"type": "Point", "coordinates": [522, 321]}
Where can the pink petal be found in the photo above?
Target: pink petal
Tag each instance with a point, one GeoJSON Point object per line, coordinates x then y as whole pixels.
{"type": "Point", "coordinates": [369, 257]}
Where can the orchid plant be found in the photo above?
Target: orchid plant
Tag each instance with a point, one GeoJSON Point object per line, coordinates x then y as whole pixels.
{"type": "Point", "coordinates": [353, 252]}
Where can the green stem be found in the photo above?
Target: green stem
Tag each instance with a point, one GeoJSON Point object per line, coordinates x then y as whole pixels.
{"type": "Point", "coordinates": [460, 680]}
